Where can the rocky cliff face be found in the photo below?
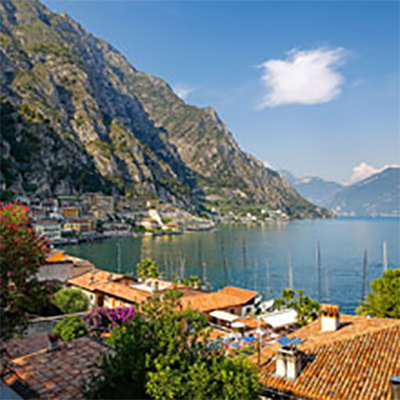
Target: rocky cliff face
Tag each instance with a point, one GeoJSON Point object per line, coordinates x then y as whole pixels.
{"type": "Point", "coordinates": [74, 104]}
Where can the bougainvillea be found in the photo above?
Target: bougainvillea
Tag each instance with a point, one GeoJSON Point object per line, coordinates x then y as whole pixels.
{"type": "Point", "coordinates": [21, 254]}
{"type": "Point", "coordinates": [104, 319]}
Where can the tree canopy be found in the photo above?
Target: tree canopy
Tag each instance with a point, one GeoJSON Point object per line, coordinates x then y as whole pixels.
{"type": "Point", "coordinates": [147, 268]}
{"type": "Point", "coordinates": [384, 299]}
{"type": "Point", "coordinates": [70, 300]}
{"type": "Point", "coordinates": [165, 353]}
{"type": "Point", "coordinates": [307, 309]}
{"type": "Point", "coordinates": [21, 255]}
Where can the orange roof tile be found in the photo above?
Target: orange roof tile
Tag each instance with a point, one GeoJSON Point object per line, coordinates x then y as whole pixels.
{"type": "Point", "coordinates": [58, 374]}
{"type": "Point", "coordinates": [124, 292]}
{"type": "Point", "coordinates": [354, 363]}
{"type": "Point", "coordinates": [57, 256]}
{"type": "Point", "coordinates": [91, 280]}
{"type": "Point", "coordinates": [243, 294]}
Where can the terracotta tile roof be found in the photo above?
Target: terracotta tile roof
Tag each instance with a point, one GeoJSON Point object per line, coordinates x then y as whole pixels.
{"type": "Point", "coordinates": [19, 347]}
{"type": "Point", "coordinates": [224, 298]}
{"type": "Point", "coordinates": [93, 279]}
{"type": "Point", "coordinates": [57, 256]}
{"type": "Point", "coordinates": [350, 327]}
{"type": "Point", "coordinates": [355, 364]}
{"type": "Point", "coordinates": [56, 375]}
{"type": "Point", "coordinates": [243, 294]}
{"type": "Point", "coordinates": [124, 292]}
{"type": "Point", "coordinates": [252, 323]}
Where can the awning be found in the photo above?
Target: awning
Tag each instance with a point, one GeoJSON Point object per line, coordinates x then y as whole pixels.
{"type": "Point", "coordinates": [224, 316]}
{"type": "Point", "coordinates": [282, 318]}
{"type": "Point", "coordinates": [238, 325]}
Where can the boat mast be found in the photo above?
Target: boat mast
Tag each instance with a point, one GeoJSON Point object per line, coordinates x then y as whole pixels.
{"type": "Point", "coordinates": [290, 272]}
{"type": "Point", "coordinates": [119, 258]}
{"type": "Point", "coordinates": [385, 257]}
{"type": "Point", "coordinates": [319, 270]}
{"type": "Point", "coordinates": [365, 272]}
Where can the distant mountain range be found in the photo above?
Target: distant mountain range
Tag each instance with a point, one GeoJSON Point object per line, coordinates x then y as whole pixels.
{"type": "Point", "coordinates": [313, 188]}
{"type": "Point", "coordinates": [376, 195]}
{"type": "Point", "coordinates": [78, 117]}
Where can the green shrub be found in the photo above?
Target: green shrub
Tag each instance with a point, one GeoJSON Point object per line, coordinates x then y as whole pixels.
{"type": "Point", "coordinates": [70, 300]}
{"type": "Point", "coordinates": [70, 328]}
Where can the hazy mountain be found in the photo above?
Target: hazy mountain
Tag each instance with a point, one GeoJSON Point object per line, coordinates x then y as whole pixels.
{"type": "Point", "coordinates": [314, 189]}
{"type": "Point", "coordinates": [76, 116]}
{"type": "Point", "coordinates": [378, 194]}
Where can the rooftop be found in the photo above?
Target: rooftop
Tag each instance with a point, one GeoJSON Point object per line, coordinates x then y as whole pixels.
{"type": "Point", "coordinates": [91, 280]}
{"type": "Point", "coordinates": [355, 362]}
{"type": "Point", "coordinates": [224, 298]}
{"type": "Point", "coordinates": [54, 375]}
{"type": "Point", "coordinates": [123, 292]}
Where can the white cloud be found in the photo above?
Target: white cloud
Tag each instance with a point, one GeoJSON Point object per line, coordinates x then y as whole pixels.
{"type": "Point", "coordinates": [267, 165]}
{"type": "Point", "coordinates": [364, 170]}
{"type": "Point", "coordinates": [183, 91]}
{"type": "Point", "coordinates": [303, 77]}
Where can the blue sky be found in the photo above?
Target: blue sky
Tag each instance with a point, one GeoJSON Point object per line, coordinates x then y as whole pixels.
{"type": "Point", "coordinates": [312, 87]}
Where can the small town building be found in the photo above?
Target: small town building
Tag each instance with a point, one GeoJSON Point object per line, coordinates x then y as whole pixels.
{"type": "Point", "coordinates": [36, 370]}
{"type": "Point", "coordinates": [337, 357]}
{"type": "Point", "coordinates": [49, 229]}
{"type": "Point", "coordinates": [70, 212]}
{"type": "Point", "coordinates": [150, 223]}
{"type": "Point", "coordinates": [80, 225]}
{"type": "Point", "coordinates": [62, 267]}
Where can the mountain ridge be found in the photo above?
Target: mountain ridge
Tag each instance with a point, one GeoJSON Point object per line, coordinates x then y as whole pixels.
{"type": "Point", "coordinates": [130, 132]}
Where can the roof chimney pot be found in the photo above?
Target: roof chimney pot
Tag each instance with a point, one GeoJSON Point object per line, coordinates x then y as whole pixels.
{"type": "Point", "coordinates": [330, 317]}
{"type": "Point", "coordinates": [288, 362]}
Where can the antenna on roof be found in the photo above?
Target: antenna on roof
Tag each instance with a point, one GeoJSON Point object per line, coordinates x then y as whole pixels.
{"type": "Point", "coordinates": [365, 278]}
{"type": "Point", "coordinates": [385, 256]}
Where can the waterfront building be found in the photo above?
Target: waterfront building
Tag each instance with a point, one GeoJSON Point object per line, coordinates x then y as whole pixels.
{"type": "Point", "coordinates": [50, 229]}
{"type": "Point", "coordinates": [79, 225]}
{"type": "Point", "coordinates": [336, 357]}
{"type": "Point", "coordinates": [70, 212]}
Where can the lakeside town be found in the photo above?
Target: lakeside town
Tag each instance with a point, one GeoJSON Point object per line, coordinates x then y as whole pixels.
{"type": "Point", "coordinates": [293, 346]}
{"type": "Point", "coordinates": [71, 219]}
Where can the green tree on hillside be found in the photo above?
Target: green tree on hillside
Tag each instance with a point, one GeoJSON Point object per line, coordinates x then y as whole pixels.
{"type": "Point", "coordinates": [165, 354]}
{"type": "Point", "coordinates": [147, 268]}
{"type": "Point", "coordinates": [384, 300]}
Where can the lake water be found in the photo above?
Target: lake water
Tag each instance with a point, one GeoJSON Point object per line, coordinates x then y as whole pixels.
{"type": "Point", "coordinates": [258, 256]}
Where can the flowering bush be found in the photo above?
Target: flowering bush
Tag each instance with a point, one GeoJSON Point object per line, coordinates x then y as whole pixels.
{"type": "Point", "coordinates": [21, 254]}
{"type": "Point", "coordinates": [104, 319]}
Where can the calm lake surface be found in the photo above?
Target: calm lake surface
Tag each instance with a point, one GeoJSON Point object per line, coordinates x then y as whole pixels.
{"type": "Point", "coordinates": [257, 256]}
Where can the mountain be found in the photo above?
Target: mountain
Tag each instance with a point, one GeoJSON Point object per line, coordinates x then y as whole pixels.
{"type": "Point", "coordinates": [378, 194]}
{"type": "Point", "coordinates": [76, 116]}
{"type": "Point", "coordinates": [314, 189]}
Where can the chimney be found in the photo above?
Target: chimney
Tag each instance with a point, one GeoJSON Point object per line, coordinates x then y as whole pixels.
{"type": "Point", "coordinates": [53, 341]}
{"type": "Point", "coordinates": [330, 317]}
{"type": "Point", "coordinates": [288, 362]}
{"type": "Point", "coordinates": [395, 386]}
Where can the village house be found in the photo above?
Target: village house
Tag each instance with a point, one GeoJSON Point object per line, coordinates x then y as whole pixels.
{"type": "Point", "coordinates": [337, 357]}
{"type": "Point", "coordinates": [50, 229]}
{"type": "Point", "coordinates": [224, 307]}
{"type": "Point", "coordinates": [34, 369]}
{"type": "Point", "coordinates": [79, 225]}
{"type": "Point", "coordinates": [149, 223]}
{"type": "Point", "coordinates": [70, 212]}
{"type": "Point", "coordinates": [62, 267]}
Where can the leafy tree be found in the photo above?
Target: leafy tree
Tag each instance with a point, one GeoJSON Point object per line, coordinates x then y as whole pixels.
{"type": "Point", "coordinates": [147, 268]}
{"type": "Point", "coordinates": [21, 255]}
{"type": "Point", "coordinates": [70, 300]}
{"type": "Point", "coordinates": [165, 353]}
{"type": "Point", "coordinates": [384, 300]}
{"type": "Point", "coordinates": [307, 309]}
{"type": "Point", "coordinates": [193, 282]}
{"type": "Point", "coordinates": [70, 328]}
